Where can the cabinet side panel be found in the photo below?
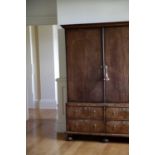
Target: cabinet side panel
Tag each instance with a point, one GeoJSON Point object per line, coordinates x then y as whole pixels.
{"type": "Point", "coordinates": [116, 43]}
{"type": "Point", "coordinates": [84, 65]}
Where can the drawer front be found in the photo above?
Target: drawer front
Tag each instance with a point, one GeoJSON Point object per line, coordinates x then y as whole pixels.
{"type": "Point", "coordinates": [85, 112]}
{"type": "Point", "coordinates": [117, 113]}
{"type": "Point", "coordinates": [90, 126]}
{"type": "Point", "coordinates": [97, 126]}
{"type": "Point", "coordinates": [96, 112]}
{"type": "Point", "coordinates": [78, 112]}
{"type": "Point", "coordinates": [78, 125]}
{"type": "Point", "coordinates": [117, 127]}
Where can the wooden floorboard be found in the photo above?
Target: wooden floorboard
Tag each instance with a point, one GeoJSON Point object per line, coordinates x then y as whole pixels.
{"type": "Point", "coordinates": [43, 139]}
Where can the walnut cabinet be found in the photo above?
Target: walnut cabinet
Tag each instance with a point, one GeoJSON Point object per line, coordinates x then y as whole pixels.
{"type": "Point", "coordinates": [97, 79]}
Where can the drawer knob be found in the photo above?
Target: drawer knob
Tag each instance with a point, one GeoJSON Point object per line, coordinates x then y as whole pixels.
{"type": "Point", "coordinates": [94, 111]}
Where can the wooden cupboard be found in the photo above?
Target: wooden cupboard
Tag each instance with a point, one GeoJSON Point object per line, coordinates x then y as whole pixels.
{"type": "Point", "coordinates": [97, 58]}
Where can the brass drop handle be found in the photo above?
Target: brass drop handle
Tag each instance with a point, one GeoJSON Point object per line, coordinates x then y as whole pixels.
{"type": "Point", "coordinates": [77, 124]}
{"type": "Point", "coordinates": [114, 126]}
{"type": "Point", "coordinates": [124, 123]}
{"type": "Point", "coordinates": [114, 112]}
{"type": "Point", "coordinates": [94, 113]}
{"type": "Point", "coordinates": [77, 111]}
{"type": "Point", "coordinates": [94, 126]}
{"type": "Point", "coordinates": [85, 108]}
{"type": "Point", "coordinates": [106, 76]}
{"type": "Point", "coordinates": [124, 110]}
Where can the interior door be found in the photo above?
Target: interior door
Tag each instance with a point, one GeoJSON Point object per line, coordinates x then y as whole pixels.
{"type": "Point", "coordinates": [84, 65]}
{"type": "Point", "coordinates": [116, 51]}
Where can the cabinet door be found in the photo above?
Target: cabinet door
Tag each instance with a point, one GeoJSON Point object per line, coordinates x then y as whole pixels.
{"type": "Point", "coordinates": [116, 50]}
{"type": "Point", "coordinates": [84, 65]}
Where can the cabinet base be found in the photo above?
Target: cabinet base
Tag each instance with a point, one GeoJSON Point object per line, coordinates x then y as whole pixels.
{"type": "Point", "coordinates": [103, 137]}
{"type": "Point", "coordinates": [68, 137]}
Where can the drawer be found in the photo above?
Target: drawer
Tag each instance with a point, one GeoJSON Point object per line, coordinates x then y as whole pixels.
{"type": "Point", "coordinates": [78, 125]}
{"type": "Point", "coordinates": [96, 112]}
{"type": "Point", "coordinates": [117, 113]}
{"type": "Point", "coordinates": [97, 126]}
{"type": "Point", "coordinates": [117, 127]}
{"type": "Point", "coordinates": [78, 112]}
{"type": "Point", "coordinates": [85, 112]}
{"type": "Point", "coordinates": [91, 126]}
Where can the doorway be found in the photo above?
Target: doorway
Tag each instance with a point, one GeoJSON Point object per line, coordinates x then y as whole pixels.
{"type": "Point", "coordinates": [42, 70]}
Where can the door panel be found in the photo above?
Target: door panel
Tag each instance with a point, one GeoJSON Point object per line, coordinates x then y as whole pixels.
{"type": "Point", "coordinates": [116, 43]}
{"type": "Point", "coordinates": [84, 60]}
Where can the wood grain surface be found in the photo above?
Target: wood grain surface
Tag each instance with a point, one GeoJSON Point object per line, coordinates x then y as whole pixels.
{"type": "Point", "coordinates": [84, 65]}
{"type": "Point", "coordinates": [116, 45]}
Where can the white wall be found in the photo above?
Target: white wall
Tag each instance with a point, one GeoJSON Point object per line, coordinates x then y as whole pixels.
{"type": "Point", "coordinates": [35, 65]}
{"type": "Point", "coordinates": [41, 12]}
{"type": "Point", "coordinates": [92, 11]}
{"type": "Point", "coordinates": [41, 51]}
{"type": "Point", "coordinates": [56, 59]}
{"type": "Point", "coordinates": [62, 52]}
{"type": "Point", "coordinates": [46, 58]}
{"type": "Point", "coordinates": [29, 96]}
{"type": "Point", "coordinates": [61, 82]}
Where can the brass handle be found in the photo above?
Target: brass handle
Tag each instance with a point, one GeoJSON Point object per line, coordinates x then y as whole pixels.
{"type": "Point", "coordinates": [114, 126]}
{"type": "Point", "coordinates": [123, 123]}
{"type": "Point", "coordinates": [114, 112]}
{"type": "Point", "coordinates": [76, 111]}
{"type": "Point", "coordinates": [77, 124]}
{"type": "Point", "coordinates": [106, 76]}
{"type": "Point", "coordinates": [124, 109]}
{"type": "Point", "coordinates": [94, 126]}
{"type": "Point", "coordinates": [85, 108]}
